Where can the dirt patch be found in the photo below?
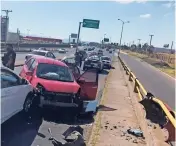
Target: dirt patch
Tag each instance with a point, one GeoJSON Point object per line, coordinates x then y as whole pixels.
{"type": "Point", "coordinates": [159, 64]}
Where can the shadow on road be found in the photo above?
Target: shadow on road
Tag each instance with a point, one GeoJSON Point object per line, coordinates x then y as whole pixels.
{"type": "Point", "coordinates": [105, 108]}
{"type": "Point", "coordinates": [21, 131]}
{"type": "Point", "coordinates": [104, 72]}
{"type": "Point", "coordinates": [67, 116]}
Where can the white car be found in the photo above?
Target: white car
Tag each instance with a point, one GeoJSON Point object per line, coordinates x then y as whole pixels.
{"type": "Point", "coordinates": [16, 94]}
{"type": "Point", "coordinates": [62, 50]}
{"type": "Point", "coordinates": [40, 53]}
{"type": "Point", "coordinates": [106, 62]}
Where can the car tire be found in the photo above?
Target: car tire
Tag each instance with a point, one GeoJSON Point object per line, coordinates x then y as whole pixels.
{"type": "Point", "coordinates": [84, 68]}
{"type": "Point", "coordinates": [27, 104]}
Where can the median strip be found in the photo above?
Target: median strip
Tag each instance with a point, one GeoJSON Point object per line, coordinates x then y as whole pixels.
{"type": "Point", "coordinates": [118, 114]}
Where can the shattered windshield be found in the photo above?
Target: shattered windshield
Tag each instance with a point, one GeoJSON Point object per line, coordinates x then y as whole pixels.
{"type": "Point", "coordinates": [54, 72]}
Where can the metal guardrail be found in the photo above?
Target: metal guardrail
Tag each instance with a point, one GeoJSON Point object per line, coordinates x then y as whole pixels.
{"type": "Point", "coordinates": [142, 93]}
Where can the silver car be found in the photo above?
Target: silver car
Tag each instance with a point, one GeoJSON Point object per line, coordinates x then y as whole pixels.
{"type": "Point", "coordinates": [106, 62]}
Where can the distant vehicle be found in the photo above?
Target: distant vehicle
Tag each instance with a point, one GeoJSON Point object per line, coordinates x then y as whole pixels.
{"type": "Point", "coordinates": [40, 53]}
{"type": "Point", "coordinates": [71, 63]}
{"type": "Point", "coordinates": [16, 94]}
{"type": "Point", "coordinates": [84, 54]}
{"type": "Point", "coordinates": [57, 84]}
{"type": "Point", "coordinates": [93, 62]}
{"type": "Point", "coordinates": [89, 51]}
{"type": "Point", "coordinates": [93, 53]}
{"type": "Point", "coordinates": [106, 61]}
{"type": "Point", "coordinates": [100, 52]}
{"type": "Point", "coordinates": [110, 51]}
{"type": "Point", "coordinates": [62, 50]}
{"type": "Point", "coordinates": [42, 48]}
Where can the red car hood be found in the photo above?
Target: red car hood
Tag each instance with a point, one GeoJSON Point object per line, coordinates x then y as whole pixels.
{"type": "Point", "coordinates": [58, 86]}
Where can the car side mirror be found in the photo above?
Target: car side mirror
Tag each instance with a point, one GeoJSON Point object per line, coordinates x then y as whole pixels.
{"type": "Point", "coordinates": [29, 73]}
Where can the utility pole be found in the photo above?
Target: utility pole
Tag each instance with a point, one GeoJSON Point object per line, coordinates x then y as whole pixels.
{"type": "Point", "coordinates": [172, 45]}
{"type": "Point", "coordinates": [122, 32]}
{"type": "Point", "coordinates": [79, 29]}
{"type": "Point", "coordinates": [151, 36]}
{"type": "Point", "coordinates": [7, 23]}
{"type": "Point", "coordinates": [18, 43]}
{"type": "Point", "coordinates": [7, 12]}
{"type": "Point", "coordinates": [69, 39]}
{"type": "Point", "coordinates": [139, 40]}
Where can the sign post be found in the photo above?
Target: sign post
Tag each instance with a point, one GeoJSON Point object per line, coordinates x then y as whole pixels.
{"type": "Point", "coordinates": [88, 23]}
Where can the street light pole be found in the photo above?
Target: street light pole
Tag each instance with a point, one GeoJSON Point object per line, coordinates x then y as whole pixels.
{"type": "Point", "coordinates": [139, 40]}
{"type": "Point", "coordinates": [69, 39]}
{"type": "Point", "coordinates": [122, 32]}
{"type": "Point", "coordinates": [28, 30]}
{"type": "Point", "coordinates": [151, 36]}
{"type": "Point", "coordinates": [79, 29]}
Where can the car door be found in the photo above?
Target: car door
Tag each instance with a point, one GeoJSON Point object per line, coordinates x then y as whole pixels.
{"type": "Point", "coordinates": [13, 94]}
{"type": "Point", "coordinates": [75, 70]}
{"type": "Point", "coordinates": [28, 67]}
{"type": "Point", "coordinates": [88, 82]}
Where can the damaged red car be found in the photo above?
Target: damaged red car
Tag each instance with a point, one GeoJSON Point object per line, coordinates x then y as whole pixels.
{"type": "Point", "coordinates": [61, 85]}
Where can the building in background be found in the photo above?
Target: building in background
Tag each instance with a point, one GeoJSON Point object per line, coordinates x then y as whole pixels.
{"type": "Point", "coordinates": [4, 28]}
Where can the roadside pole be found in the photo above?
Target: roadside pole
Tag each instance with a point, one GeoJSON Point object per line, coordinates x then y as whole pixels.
{"type": "Point", "coordinates": [122, 33]}
{"type": "Point", "coordinates": [78, 35]}
{"type": "Point", "coordinates": [18, 43]}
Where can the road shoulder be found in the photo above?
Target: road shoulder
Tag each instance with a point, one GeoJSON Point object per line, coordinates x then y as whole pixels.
{"type": "Point", "coordinates": [119, 111]}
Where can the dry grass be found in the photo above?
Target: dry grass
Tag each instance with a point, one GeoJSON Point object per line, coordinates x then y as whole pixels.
{"type": "Point", "coordinates": [163, 66]}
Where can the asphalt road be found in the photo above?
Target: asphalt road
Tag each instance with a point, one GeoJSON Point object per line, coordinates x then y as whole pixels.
{"type": "Point", "coordinates": [153, 80]}
{"type": "Point", "coordinates": [33, 131]}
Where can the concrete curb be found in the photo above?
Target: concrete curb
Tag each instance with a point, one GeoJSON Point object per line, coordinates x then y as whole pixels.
{"type": "Point", "coordinates": [97, 124]}
{"type": "Point", "coordinates": [139, 112]}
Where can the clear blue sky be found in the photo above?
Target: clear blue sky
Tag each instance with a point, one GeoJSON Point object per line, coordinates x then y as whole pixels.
{"type": "Point", "coordinates": [59, 19]}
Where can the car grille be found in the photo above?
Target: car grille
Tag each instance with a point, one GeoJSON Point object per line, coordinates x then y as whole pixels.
{"type": "Point", "coordinates": [59, 97]}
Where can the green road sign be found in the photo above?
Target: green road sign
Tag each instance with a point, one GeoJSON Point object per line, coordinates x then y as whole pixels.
{"type": "Point", "coordinates": [91, 23]}
{"type": "Point", "coordinates": [106, 40]}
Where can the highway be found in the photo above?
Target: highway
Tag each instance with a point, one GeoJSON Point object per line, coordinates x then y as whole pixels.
{"type": "Point", "coordinates": [154, 81]}
{"type": "Point", "coordinates": [20, 56]}
{"type": "Point", "coordinates": [33, 132]}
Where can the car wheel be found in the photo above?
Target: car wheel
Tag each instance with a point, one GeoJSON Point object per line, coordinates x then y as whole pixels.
{"type": "Point", "coordinates": [27, 104]}
{"type": "Point", "coordinates": [84, 68]}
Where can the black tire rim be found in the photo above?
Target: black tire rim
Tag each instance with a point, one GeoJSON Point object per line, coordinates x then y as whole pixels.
{"type": "Point", "coordinates": [27, 104]}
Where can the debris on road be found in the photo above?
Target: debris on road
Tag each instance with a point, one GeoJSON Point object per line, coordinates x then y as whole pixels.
{"type": "Point", "coordinates": [135, 132]}
{"type": "Point", "coordinates": [73, 136]}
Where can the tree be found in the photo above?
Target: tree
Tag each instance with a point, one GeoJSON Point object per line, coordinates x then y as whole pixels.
{"type": "Point", "coordinates": [166, 45]}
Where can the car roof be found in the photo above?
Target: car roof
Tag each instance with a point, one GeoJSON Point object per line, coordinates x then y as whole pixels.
{"type": "Point", "coordinates": [42, 59]}
{"type": "Point", "coordinates": [45, 51]}
{"type": "Point", "coordinates": [105, 56]}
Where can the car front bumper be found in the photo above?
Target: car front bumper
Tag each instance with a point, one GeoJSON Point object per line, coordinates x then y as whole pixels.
{"type": "Point", "coordinates": [87, 106]}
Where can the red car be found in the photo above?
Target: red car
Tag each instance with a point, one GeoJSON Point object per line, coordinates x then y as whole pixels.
{"type": "Point", "coordinates": [61, 85]}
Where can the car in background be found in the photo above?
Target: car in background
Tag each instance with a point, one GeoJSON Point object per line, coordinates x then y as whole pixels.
{"type": "Point", "coordinates": [89, 51]}
{"type": "Point", "coordinates": [16, 94]}
{"type": "Point", "coordinates": [110, 51]}
{"type": "Point", "coordinates": [42, 48]}
{"type": "Point", "coordinates": [71, 63]}
{"type": "Point", "coordinates": [100, 52]}
{"type": "Point", "coordinates": [106, 62]}
{"type": "Point", "coordinates": [57, 85]}
{"type": "Point", "coordinates": [40, 53]}
{"type": "Point", "coordinates": [62, 50]}
{"type": "Point", "coordinates": [83, 54]}
{"type": "Point", "coordinates": [93, 62]}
